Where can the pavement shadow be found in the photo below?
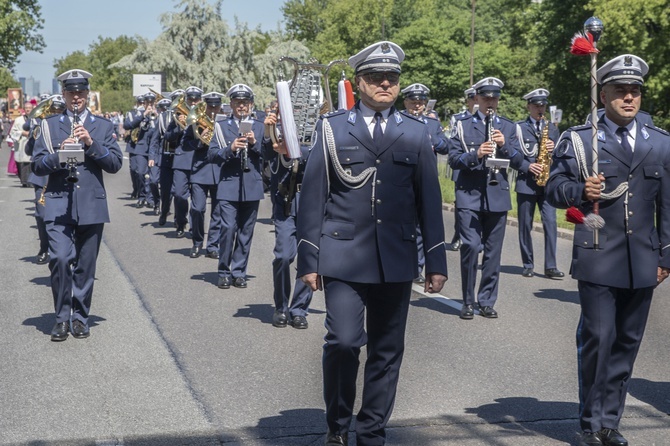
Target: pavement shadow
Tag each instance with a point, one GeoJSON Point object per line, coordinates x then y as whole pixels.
{"type": "Point", "coordinates": [209, 277]}
{"type": "Point", "coordinates": [262, 312]}
{"type": "Point", "coordinates": [559, 295]}
{"type": "Point", "coordinates": [305, 427]}
{"type": "Point", "coordinates": [431, 304]}
{"type": "Point", "coordinates": [46, 321]}
{"type": "Point", "coordinates": [265, 221]}
{"type": "Point", "coordinates": [183, 251]}
{"type": "Point", "coordinates": [43, 281]}
{"type": "Point", "coordinates": [521, 414]}
{"type": "Point", "coordinates": [651, 392]}
{"type": "Point", "coordinates": [511, 269]}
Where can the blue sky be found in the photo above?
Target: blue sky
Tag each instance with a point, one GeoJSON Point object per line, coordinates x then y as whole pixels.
{"type": "Point", "coordinates": [71, 25]}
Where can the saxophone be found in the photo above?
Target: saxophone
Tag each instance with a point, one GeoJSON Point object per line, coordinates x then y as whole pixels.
{"type": "Point", "coordinates": [543, 155]}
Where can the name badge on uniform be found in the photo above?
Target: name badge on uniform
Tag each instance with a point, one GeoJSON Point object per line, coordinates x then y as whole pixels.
{"type": "Point", "coordinates": [347, 148]}
{"type": "Point", "coordinates": [601, 161]}
{"type": "Point", "coordinates": [601, 135]}
{"type": "Point", "coordinates": [352, 117]}
{"type": "Point", "coordinates": [644, 132]}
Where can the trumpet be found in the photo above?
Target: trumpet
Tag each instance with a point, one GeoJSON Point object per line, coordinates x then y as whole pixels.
{"type": "Point", "coordinates": [493, 163]}
{"type": "Point", "coordinates": [198, 119]}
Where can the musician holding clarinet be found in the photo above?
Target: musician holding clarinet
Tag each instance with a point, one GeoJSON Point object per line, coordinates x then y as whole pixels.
{"type": "Point", "coordinates": [75, 203]}
{"type": "Point", "coordinates": [617, 278]}
{"type": "Point", "coordinates": [237, 147]}
{"type": "Point", "coordinates": [482, 143]}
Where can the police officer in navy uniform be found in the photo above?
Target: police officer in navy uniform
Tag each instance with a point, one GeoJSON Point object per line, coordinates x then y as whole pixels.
{"type": "Point", "coordinates": [482, 195]}
{"type": "Point", "coordinates": [161, 154]}
{"type": "Point", "coordinates": [370, 177]}
{"type": "Point", "coordinates": [38, 182]}
{"type": "Point", "coordinates": [182, 165]}
{"type": "Point", "coordinates": [617, 280]}
{"type": "Point", "coordinates": [286, 176]}
{"type": "Point", "coordinates": [529, 194]}
{"type": "Point", "coordinates": [471, 107]}
{"type": "Point", "coordinates": [241, 186]}
{"type": "Point", "coordinates": [415, 100]}
{"type": "Point", "coordinates": [132, 120]}
{"type": "Point", "coordinates": [156, 158]}
{"type": "Point", "coordinates": [75, 211]}
{"type": "Point", "coordinates": [204, 182]}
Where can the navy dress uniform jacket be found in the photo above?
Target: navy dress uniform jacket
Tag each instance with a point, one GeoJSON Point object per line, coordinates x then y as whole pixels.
{"type": "Point", "coordinates": [436, 132]}
{"type": "Point", "coordinates": [631, 245]}
{"type": "Point", "coordinates": [345, 235]}
{"type": "Point", "coordinates": [84, 202]}
{"type": "Point", "coordinates": [236, 185]}
{"type": "Point", "coordinates": [473, 190]}
{"type": "Point", "coordinates": [202, 170]}
{"type": "Point", "coordinates": [529, 138]}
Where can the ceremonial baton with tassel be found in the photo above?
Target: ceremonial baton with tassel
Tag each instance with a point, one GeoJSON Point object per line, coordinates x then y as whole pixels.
{"type": "Point", "coordinates": [584, 43]}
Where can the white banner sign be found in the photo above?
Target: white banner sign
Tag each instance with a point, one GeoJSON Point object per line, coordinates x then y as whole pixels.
{"type": "Point", "coordinates": [143, 82]}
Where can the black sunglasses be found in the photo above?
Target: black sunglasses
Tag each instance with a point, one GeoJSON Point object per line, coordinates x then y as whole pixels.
{"type": "Point", "coordinates": [378, 78]}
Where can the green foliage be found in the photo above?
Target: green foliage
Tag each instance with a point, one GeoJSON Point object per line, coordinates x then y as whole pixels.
{"type": "Point", "coordinates": [20, 21]}
{"type": "Point", "coordinates": [7, 81]}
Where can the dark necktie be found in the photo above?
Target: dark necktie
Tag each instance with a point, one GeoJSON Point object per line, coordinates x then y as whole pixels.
{"type": "Point", "coordinates": [377, 133]}
{"type": "Point", "coordinates": [537, 126]}
{"type": "Point", "coordinates": [622, 132]}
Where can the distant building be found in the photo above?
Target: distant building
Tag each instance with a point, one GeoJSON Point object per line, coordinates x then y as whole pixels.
{"type": "Point", "coordinates": [30, 87]}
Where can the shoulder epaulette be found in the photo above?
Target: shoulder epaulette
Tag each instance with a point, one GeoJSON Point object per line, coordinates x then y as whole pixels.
{"type": "Point", "coordinates": [334, 113]}
{"type": "Point", "coordinates": [506, 119]}
{"type": "Point", "coordinates": [658, 129]}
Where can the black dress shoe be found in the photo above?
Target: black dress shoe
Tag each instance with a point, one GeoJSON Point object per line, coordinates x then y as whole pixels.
{"type": "Point", "coordinates": [299, 322]}
{"type": "Point", "coordinates": [553, 273]}
{"type": "Point", "coordinates": [80, 330]}
{"type": "Point", "coordinates": [162, 220]}
{"type": "Point", "coordinates": [148, 205]}
{"type": "Point", "coordinates": [223, 283]}
{"type": "Point", "coordinates": [180, 233]}
{"type": "Point", "coordinates": [279, 319]}
{"type": "Point", "coordinates": [60, 331]}
{"type": "Point", "coordinates": [195, 252]}
{"type": "Point", "coordinates": [212, 254]}
{"type": "Point", "coordinates": [612, 437]}
{"type": "Point", "coordinates": [139, 204]}
{"type": "Point", "coordinates": [133, 195]}
{"type": "Point", "coordinates": [467, 311]}
{"type": "Point", "coordinates": [42, 258]}
{"type": "Point", "coordinates": [527, 272]}
{"type": "Point", "coordinates": [590, 439]}
{"type": "Point", "coordinates": [455, 246]}
{"type": "Point", "coordinates": [337, 439]}
{"type": "Point", "coordinates": [488, 312]}
{"type": "Point", "coordinates": [420, 279]}
{"type": "Point", "coordinates": [240, 282]}
{"type": "Point", "coordinates": [157, 210]}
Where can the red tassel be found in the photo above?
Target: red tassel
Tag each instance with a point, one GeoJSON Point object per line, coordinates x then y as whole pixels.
{"type": "Point", "coordinates": [582, 45]}
{"type": "Point", "coordinates": [350, 94]}
{"type": "Point", "coordinates": [574, 215]}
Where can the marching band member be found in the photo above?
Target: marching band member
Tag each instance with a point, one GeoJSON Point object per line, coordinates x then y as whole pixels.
{"type": "Point", "coordinates": [241, 186]}
{"type": "Point", "coordinates": [285, 187]}
{"type": "Point", "coordinates": [482, 195]}
{"type": "Point", "coordinates": [76, 205]}
{"type": "Point", "coordinates": [617, 280]}
{"type": "Point", "coordinates": [370, 177]}
{"type": "Point", "coordinates": [415, 100]}
{"type": "Point", "coordinates": [132, 120]}
{"type": "Point", "coordinates": [529, 193]}
{"type": "Point", "coordinates": [204, 181]}
{"type": "Point", "coordinates": [182, 165]}
{"type": "Point", "coordinates": [160, 161]}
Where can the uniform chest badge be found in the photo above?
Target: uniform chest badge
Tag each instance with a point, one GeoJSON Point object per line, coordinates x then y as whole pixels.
{"type": "Point", "coordinates": [398, 118]}
{"type": "Point", "coordinates": [601, 136]}
{"type": "Point", "coordinates": [644, 132]}
{"type": "Point", "coordinates": [352, 117]}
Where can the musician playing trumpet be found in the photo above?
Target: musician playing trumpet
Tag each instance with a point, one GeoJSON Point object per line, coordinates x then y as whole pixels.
{"type": "Point", "coordinates": [75, 209]}
{"type": "Point", "coordinates": [482, 194]}
{"type": "Point", "coordinates": [537, 136]}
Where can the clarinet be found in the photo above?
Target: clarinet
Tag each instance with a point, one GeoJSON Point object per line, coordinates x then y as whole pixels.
{"type": "Point", "coordinates": [72, 164]}
{"type": "Point", "coordinates": [244, 157]}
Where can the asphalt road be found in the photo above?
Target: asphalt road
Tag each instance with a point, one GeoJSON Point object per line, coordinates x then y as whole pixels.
{"type": "Point", "coordinates": [173, 360]}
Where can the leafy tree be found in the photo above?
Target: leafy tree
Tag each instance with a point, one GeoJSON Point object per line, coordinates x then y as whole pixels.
{"type": "Point", "coordinates": [20, 21]}
{"type": "Point", "coordinates": [197, 47]}
{"type": "Point", "coordinates": [7, 81]}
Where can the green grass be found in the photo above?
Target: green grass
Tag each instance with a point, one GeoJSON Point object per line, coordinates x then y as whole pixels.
{"type": "Point", "coordinates": [449, 196]}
